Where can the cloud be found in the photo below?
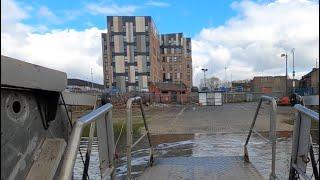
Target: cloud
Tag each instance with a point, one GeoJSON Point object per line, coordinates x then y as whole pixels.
{"type": "Point", "coordinates": [68, 50]}
{"type": "Point", "coordinates": [157, 4]}
{"type": "Point", "coordinates": [45, 12]}
{"type": "Point", "coordinates": [113, 9]}
{"type": "Point", "coordinates": [250, 43]}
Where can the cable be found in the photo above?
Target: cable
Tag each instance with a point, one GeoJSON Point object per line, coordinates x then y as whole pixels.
{"type": "Point", "coordinates": [120, 134]}
{"type": "Point", "coordinates": [65, 107]}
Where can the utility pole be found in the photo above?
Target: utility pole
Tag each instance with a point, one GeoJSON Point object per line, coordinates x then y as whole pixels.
{"type": "Point", "coordinates": [225, 74]}
{"type": "Point", "coordinates": [180, 77]}
{"type": "Point", "coordinates": [293, 72]}
{"type": "Point", "coordinates": [91, 80]}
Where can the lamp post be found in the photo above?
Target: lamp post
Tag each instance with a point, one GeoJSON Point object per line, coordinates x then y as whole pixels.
{"type": "Point", "coordinates": [286, 56]}
{"type": "Point", "coordinates": [293, 72]}
{"type": "Point", "coordinates": [204, 76]}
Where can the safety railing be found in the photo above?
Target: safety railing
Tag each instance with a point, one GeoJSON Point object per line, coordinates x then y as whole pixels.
{"type": "Point", "coordinates": [272, 132]}
{"type": "Point", "coordinates": [130, 145]}
{"type": "Point", "coordinates": [103, 119]}
{"type": "Point", "coordinates": [302, 144]}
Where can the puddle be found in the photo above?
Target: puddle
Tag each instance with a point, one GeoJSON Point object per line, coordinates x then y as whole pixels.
{"type": "Point", "coordinates": [196, 145]}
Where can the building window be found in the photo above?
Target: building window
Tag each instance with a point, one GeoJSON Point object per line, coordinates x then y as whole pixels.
{"type": "Point", "coordinates": [163, 59]}
{"type": "Point", "coordinates": [148, 59]}
{"type": "Point", "coordinates": [147, 28]}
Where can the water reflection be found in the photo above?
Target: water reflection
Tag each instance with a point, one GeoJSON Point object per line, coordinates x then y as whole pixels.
{"type": "Point", "coordinates": [197, 145]}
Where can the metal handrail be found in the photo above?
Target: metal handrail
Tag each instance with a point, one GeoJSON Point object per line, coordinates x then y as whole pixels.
{"type": "Point", "coordinates": [74, 140]}
{"type": "Point", "coordinates": [298, 128]}
{"type": "Point", "coordinates": [130, 133]}
{"type": "Point", "coordinates": [272, 132]}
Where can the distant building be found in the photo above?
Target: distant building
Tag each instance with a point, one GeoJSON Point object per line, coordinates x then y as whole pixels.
{"type": "Point", "coordinates": [176, 61]}
{"type": "Point", "coordinates": [135, 55]}
{"type": "Point", "coordinates": [268, 84]}
{"type": "Point", "coordinates": [169, 92]}
{"type": "Point", "coordinates": [245, 84]}
{"type": "Point", "coordinates": [78, 85]}
{"type": "Point", "coordinates": [309, 83]}
{"type": "Point", "coordinates": [130, 53]}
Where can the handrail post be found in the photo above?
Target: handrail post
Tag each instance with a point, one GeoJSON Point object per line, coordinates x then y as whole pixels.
{"type": "Point", "coordinates": [273, 136]}
{"type": "Point", "coordinates": [130, 133]}
{"type": "Point", "coordinates": [129, 137]}
{"type": "Point", "coordinates": [75, 137]}
{"type": "Point", "coordinates": [111, 148]}
{"type": "Point", "coordinates": [272, 132]}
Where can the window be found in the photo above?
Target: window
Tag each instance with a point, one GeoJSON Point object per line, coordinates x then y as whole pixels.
{"type": "Point", "coordinates": [163, 59]}
{"type": "Point", "coordinates": [147, 28]}
{"type": "Point", "coordinates": [148, 59]}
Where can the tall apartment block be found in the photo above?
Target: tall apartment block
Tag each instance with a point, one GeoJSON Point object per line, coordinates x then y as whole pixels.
{"type": "Point", "coordinates": [134, 54]}
{"type": "Point", "coordinates": [176, 61]}
{"type": "Point", "coordinates": [130, 53]}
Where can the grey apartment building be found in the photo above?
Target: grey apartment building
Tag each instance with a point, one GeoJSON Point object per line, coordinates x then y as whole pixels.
{"type": "Point", "coordinates": [176, 61]}
{"type": "Point", "coordinates": [133, 58]}
{"type": "Point", "coordinates": [130, 53]}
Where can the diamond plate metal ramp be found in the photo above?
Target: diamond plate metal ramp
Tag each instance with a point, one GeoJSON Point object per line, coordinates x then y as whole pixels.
{"type": "Point", "coordinates": [213, 168]}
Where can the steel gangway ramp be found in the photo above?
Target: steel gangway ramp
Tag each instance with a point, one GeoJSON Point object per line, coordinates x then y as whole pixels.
{"type": "Point", "coordinates": [214, 168]}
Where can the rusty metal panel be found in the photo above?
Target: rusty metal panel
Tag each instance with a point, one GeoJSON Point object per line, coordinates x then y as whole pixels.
{"type": "Point", "coordinates": [22, 74]}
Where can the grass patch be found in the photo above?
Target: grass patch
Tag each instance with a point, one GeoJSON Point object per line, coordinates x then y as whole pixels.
{"type": "Point", "coordinates": [314, 124]}
{"type": "Point", "coordinates": [116, 129]}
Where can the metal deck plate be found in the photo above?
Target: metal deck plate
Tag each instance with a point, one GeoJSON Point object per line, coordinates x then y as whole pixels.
{"type": "Point", "coordinates": [225, 167]}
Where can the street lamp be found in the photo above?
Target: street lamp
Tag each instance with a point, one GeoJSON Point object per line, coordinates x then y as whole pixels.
{"type": "Point", "coordinates": [204, 76]}
{"type": "Point", "coordinates": [286, 56]}
{"type": "Point", "coordinates": [293, 72]}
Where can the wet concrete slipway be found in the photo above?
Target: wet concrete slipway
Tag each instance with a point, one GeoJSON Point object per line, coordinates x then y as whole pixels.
{"type": "Point", "coordinates": [214, 145]}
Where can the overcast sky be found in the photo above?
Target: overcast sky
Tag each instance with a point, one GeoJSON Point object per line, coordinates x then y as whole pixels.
{"type": "Point", "coordinates": [247, 37]}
